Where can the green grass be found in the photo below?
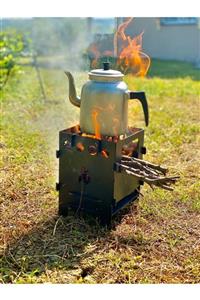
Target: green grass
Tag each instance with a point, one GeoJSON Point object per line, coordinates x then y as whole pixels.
{"type": "Point", "coordinates": [173, 69]}
{"type": "Point", "coordinates": [153, 241]}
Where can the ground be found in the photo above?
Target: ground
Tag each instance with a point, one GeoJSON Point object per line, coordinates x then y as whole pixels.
{"type": "Point", "coordinates": [154, 240]}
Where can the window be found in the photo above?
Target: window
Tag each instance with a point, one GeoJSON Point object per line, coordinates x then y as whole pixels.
{"type": "Point", "coordinates": [178, 21]}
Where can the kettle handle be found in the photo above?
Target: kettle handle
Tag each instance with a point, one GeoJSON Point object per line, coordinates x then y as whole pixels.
{"type": "Point", "coordinates": [142, 98]}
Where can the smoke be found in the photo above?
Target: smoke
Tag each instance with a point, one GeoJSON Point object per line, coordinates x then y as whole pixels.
{"type": "Point", "coordinates": [58, 44]}
{"type": "Point", "coordinates": [62, 41]}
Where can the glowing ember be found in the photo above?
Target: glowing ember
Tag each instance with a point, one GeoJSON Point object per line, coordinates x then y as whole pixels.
{"type": "Point", "coordinates": [88, 135]}
{"type": "Point", "coordinates": [80, 147]}
{"type": "Point", "coordinates": [104, 153]}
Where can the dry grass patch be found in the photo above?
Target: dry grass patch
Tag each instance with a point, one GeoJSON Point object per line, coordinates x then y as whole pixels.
{"type": "Point", "coordinates": [156, 240]}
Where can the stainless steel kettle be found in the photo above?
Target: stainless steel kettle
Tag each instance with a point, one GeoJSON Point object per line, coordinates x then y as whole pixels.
{"type": "Point", "coordinates": [104, 102]}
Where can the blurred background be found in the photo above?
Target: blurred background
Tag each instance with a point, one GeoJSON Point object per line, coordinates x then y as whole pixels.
{"type": "Point", "coordinates": [66, 42]}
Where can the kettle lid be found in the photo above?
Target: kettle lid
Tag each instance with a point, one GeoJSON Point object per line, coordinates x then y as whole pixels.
{"type": "Point", "coordinates": [105, 74]}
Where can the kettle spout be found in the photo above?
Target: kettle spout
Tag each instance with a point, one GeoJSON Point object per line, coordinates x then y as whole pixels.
{"type": "Point", "coordinates": [74, 99]}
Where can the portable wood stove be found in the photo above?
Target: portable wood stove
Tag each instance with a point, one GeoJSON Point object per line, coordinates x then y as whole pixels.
{"type": "Point", "coordinates": [89, 179]}
{"type": "Point", "coordinates": [100, 162]}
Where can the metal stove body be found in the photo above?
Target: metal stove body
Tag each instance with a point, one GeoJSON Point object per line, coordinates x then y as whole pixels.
{"type": "Point", "coordinates": [88, 178]}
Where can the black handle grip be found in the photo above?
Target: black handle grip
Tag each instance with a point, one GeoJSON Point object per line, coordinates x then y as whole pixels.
{"type": "Point", "coordinates": [142, 98]}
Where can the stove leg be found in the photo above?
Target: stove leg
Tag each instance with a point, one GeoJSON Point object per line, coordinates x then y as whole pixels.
{"type": "Point", "coordinates": [105, 217]}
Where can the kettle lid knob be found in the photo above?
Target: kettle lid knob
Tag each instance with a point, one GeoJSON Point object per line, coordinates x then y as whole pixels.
{"type": "Point", "coordinates": [106, 66]}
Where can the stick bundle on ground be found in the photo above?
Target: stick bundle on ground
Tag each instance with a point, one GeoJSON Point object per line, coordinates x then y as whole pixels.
{"type": "Point", "coordinates": [152, 174]}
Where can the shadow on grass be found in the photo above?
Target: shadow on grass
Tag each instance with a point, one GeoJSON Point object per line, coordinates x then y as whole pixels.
{"type": "Point", "coordinates": [58, 244]}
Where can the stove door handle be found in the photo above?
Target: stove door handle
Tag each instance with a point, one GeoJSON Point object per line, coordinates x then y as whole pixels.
{"type": "Point", "coordinates": [142, 98]}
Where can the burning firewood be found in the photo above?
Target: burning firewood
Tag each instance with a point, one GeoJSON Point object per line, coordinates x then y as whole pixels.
{"type": "Point", "coordinates": [152, 174]}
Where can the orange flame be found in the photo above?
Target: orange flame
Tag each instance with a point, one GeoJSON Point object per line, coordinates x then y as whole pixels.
{"type": "Point", "coordinates": [131, 58]}
{"type": "Point", "coordinates": [120, 33]}
{"type": "Point", "coordinates": [93, 48]}
{"type": "Point", "coordinates": [96, 125]}
{"type": "Point", "coordinates": [96, 54]}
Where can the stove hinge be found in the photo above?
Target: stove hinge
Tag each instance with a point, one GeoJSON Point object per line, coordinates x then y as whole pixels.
{"type": "Point", "coordinates": [58, 186]}
{"type": "Point", "coordinates": [57, 153]}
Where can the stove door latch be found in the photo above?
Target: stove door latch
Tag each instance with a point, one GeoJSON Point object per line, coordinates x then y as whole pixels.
{"type": "Point", "coordinates": [84, 176]}
{"type": "Point", "coordinates": [143, 150]}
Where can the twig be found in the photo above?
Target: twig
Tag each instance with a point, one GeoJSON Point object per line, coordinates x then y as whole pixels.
{"type": "Point", "coordinates": [159, 182]}
{"type": "Point", "coordinates": [54, 230]}
{"type": "Point", "coordinates": [146, 163]}
{"type": "Point", "coordinates": [153, 175]}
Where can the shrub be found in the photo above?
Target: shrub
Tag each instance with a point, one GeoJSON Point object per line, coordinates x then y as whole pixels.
{"type": "Point", "coordinates": [12, 45]}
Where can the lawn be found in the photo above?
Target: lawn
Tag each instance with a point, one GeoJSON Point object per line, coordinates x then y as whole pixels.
{"type": "Point", "coordinates": [156, 240]}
